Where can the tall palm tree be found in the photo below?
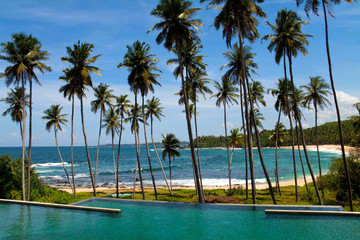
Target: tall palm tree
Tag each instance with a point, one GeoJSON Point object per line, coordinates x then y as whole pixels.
{"type": "Point", "coordinates": [237, 19]}
{"type": "Point", "coordinates": [153, 109]}
{"type": "Point", "coordinates": [313, 5]}
{"type": "Point", "coordinates": [16, 110]}
{"type": "Point", "coordinates": [69, 90]}
{"type": "Point", "coordinates": [134, 120]}
{"type": "Point", "coordinates": [79, 71]}
{"type": "Point", "coordinates": [103, 97]}
{"type": "Point", "coordinates": [226, 95]}
{"type": "Point", "coordinates": [356, 119]}
{"type": "Point", "coordinates": [178, 28]}
{"type": "Point", "coordinates": [316, 93]}
{"type": "Point", "coordinates": [25, 55]}
{"type": "Point", "coordinates": [122, 108]}
{"type": "Point", "coordinates": [288, 41]}
{"type": "Point", "coordinates": [56, 119]}
{"type": "Point", "coordinates": [235, 73]}
{"type": "Point", "coordinates": [142, 78]}
{"type": "Point", "coordinates": [112, 125]}
{"type": "Point", "coordinates": [171, 144]}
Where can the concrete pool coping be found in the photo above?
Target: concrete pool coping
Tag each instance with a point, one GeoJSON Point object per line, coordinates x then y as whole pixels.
{"type": "Point", "coordinates": [310, 212]}
{"type": "Point", "coordinates": [63, 206]}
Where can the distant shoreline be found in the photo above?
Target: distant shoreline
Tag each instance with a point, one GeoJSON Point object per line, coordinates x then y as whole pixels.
{"type": "Point", "coordinates": [300, 180]}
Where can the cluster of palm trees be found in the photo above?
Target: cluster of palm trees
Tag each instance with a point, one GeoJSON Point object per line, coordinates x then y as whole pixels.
{"type": "Point", "coordinates": [178, 30]}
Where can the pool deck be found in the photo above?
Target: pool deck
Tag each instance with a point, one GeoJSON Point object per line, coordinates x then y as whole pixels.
{"type": "Point", "coordinates": [63, 206]}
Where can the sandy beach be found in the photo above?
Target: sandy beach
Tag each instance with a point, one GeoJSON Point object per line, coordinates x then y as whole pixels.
{"type": "Point", "coordinates": [301, 182]}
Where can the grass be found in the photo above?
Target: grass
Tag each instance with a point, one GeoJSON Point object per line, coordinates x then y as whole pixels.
{"type": "Point", "coordinates": [237, 196]}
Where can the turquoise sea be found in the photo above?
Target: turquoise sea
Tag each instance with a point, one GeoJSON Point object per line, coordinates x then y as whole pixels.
{"type": "Point", "coordinates": [213, 165]}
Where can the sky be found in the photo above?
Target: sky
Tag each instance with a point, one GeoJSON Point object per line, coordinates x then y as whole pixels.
{"type": "Point", "coordinates": [111, 25]}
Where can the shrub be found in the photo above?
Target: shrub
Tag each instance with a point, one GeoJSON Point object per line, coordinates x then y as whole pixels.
{"type": "Point", "coordinates": [236, 191]}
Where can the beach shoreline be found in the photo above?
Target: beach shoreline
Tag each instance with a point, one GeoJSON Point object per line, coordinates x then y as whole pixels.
{"type": "Point", "coordinates": [300, 180]}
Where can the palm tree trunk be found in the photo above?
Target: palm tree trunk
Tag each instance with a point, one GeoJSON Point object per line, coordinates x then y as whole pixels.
{"type": "Point", "coordinates": [317, 144]}
{"type": "Point", "coordinates": [21, 133]}
{"type": "Point", "coordinates": [86, 146]}
{"type": "Point", "coordinates": [259, 143]}
{"type": "Point", "coordinates": [227, 146]}
{"type": "Point", "coordinates": [162, 168]}
{"type": "Point", "coordinates": [297, 118]}
{"type": "Point", "coordinates": [30, 138]}
{"type": "Point", "coordinates": [113, 151]}
{"type": "Point", "coordinates": [293, 152]}
{"type": "Point", "coordinates": [245, 145]}
{"type": "Point", "coordinates": [291, 129]}
{"type": "Point", "coordinates": [147, 148]}
{"type": "Point", "coordinates": [23, 142]}
{"type": "Point", "coordinates": [72, 144]}
{"type": "Point", "coordinates": [137, 145]}
{"type": "Point", "coordinates": [170, 173]}
{"type": "Point", "coordinates": [118, 158]}
{"type": "Point", "coordinates": [337, 110]}
{"type": "Point", "coordinates": [98, 147]}
{"type": "Point", "coordinates": [62, 161]}
{"type": "Point", "coordinates": [276, 154]}
{"type": "Point", "coordinates": [197, 144]}
{"type": "Point", "coordinates": [301, 161]}
{"type": "Point", "coordinates": [193, 157]}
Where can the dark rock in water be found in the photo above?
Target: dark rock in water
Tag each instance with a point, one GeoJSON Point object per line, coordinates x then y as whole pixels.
{"type": "Point", "coordinates": [106, 184]}
{"type": "Point", "coordinates": [137, 179]}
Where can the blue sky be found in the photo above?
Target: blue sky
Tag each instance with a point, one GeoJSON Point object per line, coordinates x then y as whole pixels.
{"type": "Point", "coordinates": [111, 25]}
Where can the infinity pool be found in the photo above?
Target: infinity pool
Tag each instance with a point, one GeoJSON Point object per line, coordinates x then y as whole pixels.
{"type": "Point", "coordinates": [156, 220]}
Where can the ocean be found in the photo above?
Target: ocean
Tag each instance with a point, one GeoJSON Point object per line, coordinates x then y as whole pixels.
{"type": "Point", "coordinates": [214, 165]}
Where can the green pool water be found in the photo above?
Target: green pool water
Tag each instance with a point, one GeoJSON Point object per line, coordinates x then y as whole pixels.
{"type": "Point", "coordinates": [145, 220]}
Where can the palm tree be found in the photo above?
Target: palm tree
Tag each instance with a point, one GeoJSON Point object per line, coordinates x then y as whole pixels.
{"type": "Point", "coordinates": [142, 65]}
{"type": "Point", "coordinates": [122, 109]}
{"type": "Point", "coordinates": [79, 72]}
{"type": "Point", "coordinates": [235, 73]}
{"type": "Point", "coordinates": [170, 143]}
{"type": "Point", "coordinates": [316, 96]}
{"type": "Point", "coordinates": [313, 5]}
{"type": "Point", "coordinates": [69, 90]}
{"type": "Point", "coordinates": [356, 119]}
{"type": "Point", "coordinates": [103, 97]}
{"type": "Point", "coordinates": [278, 136]}
{"type": "Point", "coordinates": [177, 29]}
{"type": "Point", "coordinates": [153, 109]}
{"type": "Point", "coordinates": [112, 125]}
{"type": "Point", "coordinates": [226, 95]}
{"type": "Point", "coordinates": [16, 110]}
{"type": "Point", "coordinates": [25, 55]}
{"type": "Point", "coordinates": [134, 120]}
{"type": "Point", "coordinates": [257, 92]}
{"type": "Point", "coordinates": [287, 41]}
{"type": "Point", "coordinates": [235, 140]}
{"type": "Point", "coordinates": [56, 119]}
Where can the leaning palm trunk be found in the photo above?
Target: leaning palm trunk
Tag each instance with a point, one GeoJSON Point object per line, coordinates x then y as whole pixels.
{"type": "Point", "coordinates": [337, 110]}
{"type": "Point", "coordinates": [87, 148]}
{"type": "Point", "coordinates": [147, 149]}
{"type": "Point", "coordinates": [227, 146]}
{"type": "Point", "coordinates": [259, 143]}
{"type": "Point", "coordinates": [23, 144]}
{"type": "Point", "coordinates": [72, 145]}
{"type": "Point", "coordinates": [297, 118]}
{"type": "Point", "coordinates": [137, 145]}
{"type": "Point", "coordinates": [301, 161]}
{"type": "Point", "coordinates": [30, 140]}
{"type": "Point", "coordinates": [317, 143]}
{"type": "Point", "coordinates": [245, 145]}
{"type": "Point", "coordinates": [170, 173]}
{"type": "Point", "coordinates": [62, 161]}
{"type": "Point", "coordinates": [197, 145]}
{"type": "Point", "coordinates": [193, 157]}
{"type": "Point", "coordinates": [162, 168]}
{"type": "Point", "coordinates": [113, 151]}
{"type": "Point", "coordinates": [21, 132]}
{"type": "Point", "coordinates": [118, 160]}
{"type": "Point", "coordinates": [276, 154]}
{"type": "Point", "coordinates": [98, 147]}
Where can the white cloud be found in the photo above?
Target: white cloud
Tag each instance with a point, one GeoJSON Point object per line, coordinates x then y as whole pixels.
{"type": "Point", "coordinates": [14, 134]}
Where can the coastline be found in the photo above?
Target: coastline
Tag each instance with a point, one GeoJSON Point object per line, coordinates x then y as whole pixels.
{"type": "Point", "coordinates": [300, 180]}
